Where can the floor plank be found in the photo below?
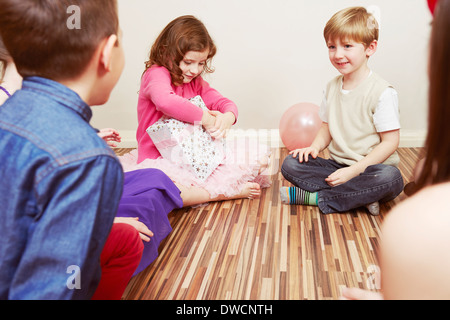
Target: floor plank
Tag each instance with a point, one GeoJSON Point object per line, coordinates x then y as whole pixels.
{"type": "Point", "coordinates": [262, 249]}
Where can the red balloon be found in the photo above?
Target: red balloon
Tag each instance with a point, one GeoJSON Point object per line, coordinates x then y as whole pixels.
{"type": "Point", "coordinates": [432, 5]}
{"type": "Point", "coordinates": [299, 125]}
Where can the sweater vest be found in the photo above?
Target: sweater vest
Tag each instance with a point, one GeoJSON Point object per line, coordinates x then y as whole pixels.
{"type": "Point", "coordinates": [350, 120]}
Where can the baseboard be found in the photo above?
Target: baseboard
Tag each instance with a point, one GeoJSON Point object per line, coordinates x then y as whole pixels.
{"type": "Point", "coordinates": [271, 137]}
{"type": "Point", "coordinates": [128, 139]}
{"type": "Point", "coordinates": [412, 138]}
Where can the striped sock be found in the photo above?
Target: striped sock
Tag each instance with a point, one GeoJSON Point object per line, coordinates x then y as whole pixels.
{"type": "Point", "coordinates": [294, 195]}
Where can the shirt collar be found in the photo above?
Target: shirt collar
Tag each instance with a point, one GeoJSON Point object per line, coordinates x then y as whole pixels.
{"type": "Point", "coordinates": [60, 93]}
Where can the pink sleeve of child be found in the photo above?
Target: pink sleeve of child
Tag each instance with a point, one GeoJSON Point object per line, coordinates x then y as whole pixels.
{"type": "Point", "coordinates": [214, 100]}
{"type": "Point", "coordinates": [158, 88]}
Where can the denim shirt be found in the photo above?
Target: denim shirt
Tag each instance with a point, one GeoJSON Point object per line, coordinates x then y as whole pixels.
{"type": "Point", "coordinates": [60, 185]}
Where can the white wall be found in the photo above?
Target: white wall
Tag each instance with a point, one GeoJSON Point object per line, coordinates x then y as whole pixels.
{"type": "Point", "coordinates": [272, 55]}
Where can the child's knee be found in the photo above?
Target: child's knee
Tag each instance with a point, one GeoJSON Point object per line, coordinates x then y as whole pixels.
{"type": "Point", "coordinates": [386, 175]}
{"type": "Point", "coordinates": [289, 163]}
{"type": "Point", "coordinates": [385, 172]}
{"type": "Point", "coordinates": [292, 166]}
{"type": "Point", "coordinates": [395, 176]}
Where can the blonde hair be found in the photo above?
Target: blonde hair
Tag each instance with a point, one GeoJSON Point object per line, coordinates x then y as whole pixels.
{"type": "Point", "coordinates": [353, 23]}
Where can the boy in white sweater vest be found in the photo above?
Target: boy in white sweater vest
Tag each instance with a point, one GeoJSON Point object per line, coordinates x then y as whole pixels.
{"type": "Point", "coordinates": [361, 128]}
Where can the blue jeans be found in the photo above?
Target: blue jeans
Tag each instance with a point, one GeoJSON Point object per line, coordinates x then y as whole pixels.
{"type": "Point", "coordinates": [377, 183]}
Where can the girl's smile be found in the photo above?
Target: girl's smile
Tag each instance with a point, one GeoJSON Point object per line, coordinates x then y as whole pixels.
{"type": "Point", "coordinates": [193, 64]}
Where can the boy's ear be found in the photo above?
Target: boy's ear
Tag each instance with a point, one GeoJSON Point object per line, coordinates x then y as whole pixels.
{"type": "Point", "coordinates": [106, 52]}
{"type": "Point", "coordinates": [372, 48]}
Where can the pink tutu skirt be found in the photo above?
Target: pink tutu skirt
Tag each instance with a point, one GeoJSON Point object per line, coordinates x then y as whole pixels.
{"type": "Point", "coordinates": [244, 162]}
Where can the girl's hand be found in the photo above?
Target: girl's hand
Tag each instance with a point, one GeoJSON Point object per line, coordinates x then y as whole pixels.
{"type": "Point", "coordinates": [224, 122]}
{"type": "Point", "coordinates": [208, 120]}
{"type": "Point", "coordinates": [304, 153]}
{"type": "Point", "coordinates": [110, 136]}
{"type": "Point", "coordinates": [144, 232]}
{"type": "Point", "coordinates": [341, 176]}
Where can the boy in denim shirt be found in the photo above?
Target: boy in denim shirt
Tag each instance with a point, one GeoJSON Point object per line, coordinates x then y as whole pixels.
{"type": "Point", "coordinates": [60, 183]}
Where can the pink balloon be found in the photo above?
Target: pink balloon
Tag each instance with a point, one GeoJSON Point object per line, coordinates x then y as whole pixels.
{"type": "Point", "coordinates": [299, 125]}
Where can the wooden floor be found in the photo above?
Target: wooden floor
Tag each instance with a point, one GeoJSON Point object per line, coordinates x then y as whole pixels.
{"type": "Point", "coordinates": [262, 249]}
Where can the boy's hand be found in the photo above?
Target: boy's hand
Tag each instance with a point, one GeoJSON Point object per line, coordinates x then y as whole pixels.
{"type": "Point", "coordinates": [110, 136]}
{"type": "Point", "coordinates": [341, 176]}
{"type": "Point", "coordinates": [304, 153]}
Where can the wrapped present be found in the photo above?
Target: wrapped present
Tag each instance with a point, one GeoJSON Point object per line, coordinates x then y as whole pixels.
{"type": "Point", "coordinates": [185, 143]}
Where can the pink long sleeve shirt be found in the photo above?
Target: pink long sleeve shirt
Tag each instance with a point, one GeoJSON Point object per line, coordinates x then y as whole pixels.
{"type": "Point", "coordinates": [158, 97]}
